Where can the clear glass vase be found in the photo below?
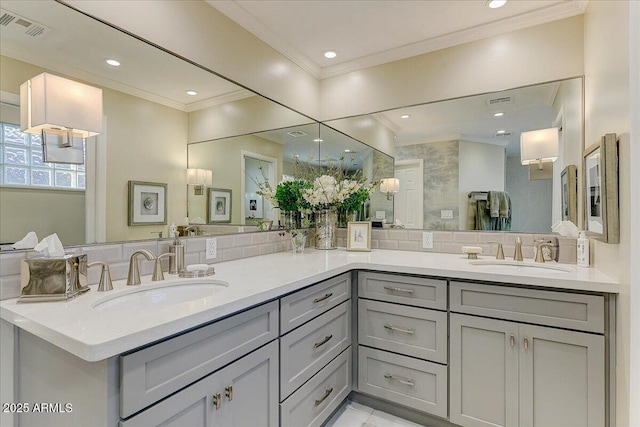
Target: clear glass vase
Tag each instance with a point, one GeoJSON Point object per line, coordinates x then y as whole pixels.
{"type": "Point", "coordinates": [326, 225]}
{"type": "Point", "coordinates": [298, 242]}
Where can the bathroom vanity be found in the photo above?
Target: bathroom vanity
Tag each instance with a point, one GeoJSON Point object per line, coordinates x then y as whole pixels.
{"type": "Point", "coordinates": [428, 335]}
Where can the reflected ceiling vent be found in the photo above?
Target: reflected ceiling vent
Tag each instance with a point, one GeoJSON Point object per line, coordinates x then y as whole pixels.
{"type": "Point", "coordinates": [20, 25]}
{"type": "Point", "coordinates": [297, 133]}
{"type": "Point", "coordinates": [501, 100]}
{"type": "Point", "coordinates": [503, 133]}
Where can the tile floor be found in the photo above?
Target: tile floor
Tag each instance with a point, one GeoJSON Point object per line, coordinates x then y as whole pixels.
{"type": "Point", "coordinates": [356, 415]}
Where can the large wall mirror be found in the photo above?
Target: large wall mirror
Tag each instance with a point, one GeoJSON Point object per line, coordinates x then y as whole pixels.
{"type": "Point", "coordinates": [276, 155]}
{"type": "Point", "coordinates": [449, 155]}
{"type": "Point", "coordinates": [150, 120]}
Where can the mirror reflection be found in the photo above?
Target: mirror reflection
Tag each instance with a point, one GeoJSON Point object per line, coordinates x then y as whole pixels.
{"type": "Point", "coordinates": [240, 164]}
{"type": "Point", "coordinates": [451, 155]}
{"type": "Point", "coordinates": [153, 108]}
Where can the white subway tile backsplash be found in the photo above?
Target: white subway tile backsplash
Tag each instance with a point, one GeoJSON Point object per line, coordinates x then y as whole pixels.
{"type": "Point", "coordinates": [491, 237]}
{"type": "Point", "coordinates": [415, 235]}
{"type": "Point", "coordinates": [225, 242]}
{"type": "Point", "coordinates": [9, 287]}
{"type": "Point", "coordinates": [437, 247]}
{"type": "Point", "coordinates": [259, 238]}
{"type": "Point", "coordinates": [241, 240]}
{"type": "Point", "coordinates": [397, 235]}
{"type": "Point", "coordinates": [10, 263]}
{"type": "Point", "coordinates": [193, 258]}
{"type": "Point", "coordinates": [265, 249]}
{"type": "Point", "coordinates": [103, 253]}
{"type": "Point", "coordinates": [408, 245]}
{"type": "Point", "coordinates": [196, 244]}
{"type": "Point", "coordinates": [510, 238]}
{"type": "Point", "coordinates": [130, 248]}
{"type": "Point", "coordinates": [248, 251]}
{"type": "Point", "coordinates": [379, 234]}
{"type": "Point", "coordinates": [452, 248]}
{"type": "Point", "coordinates": [387, 244]}
{"type": "Point", "coordinates": [465, 237]}
{"type": "Point", "coordinates": [441, 236]}
{"type": "Point", "coordinates": [231, 254]}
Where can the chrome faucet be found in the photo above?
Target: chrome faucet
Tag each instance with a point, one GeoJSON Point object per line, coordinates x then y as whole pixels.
{"type": "Point", "coordinates": [517, 254]}
{"type": "Point", "coordinates": [134, 270]}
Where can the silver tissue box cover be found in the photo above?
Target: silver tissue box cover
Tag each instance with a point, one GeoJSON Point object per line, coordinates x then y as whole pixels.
{"type": "Point", "coordinates": [53, 279]}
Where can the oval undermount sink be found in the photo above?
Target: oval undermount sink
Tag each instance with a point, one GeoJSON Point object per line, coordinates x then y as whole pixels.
{"type": "Point", "coordinates": [160, 295]}
{"type": "Point", "coordinates": [521, 264]}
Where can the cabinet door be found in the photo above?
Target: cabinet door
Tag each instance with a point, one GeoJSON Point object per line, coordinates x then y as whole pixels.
{"type": "Point", "coordinates": [561, 378]}
{"type": "Point", "coordinates": [483, 372]}
{"type": "Point", "coordinates": [243, 394]}
{"type": "Point", "coordinates": [250, 390]}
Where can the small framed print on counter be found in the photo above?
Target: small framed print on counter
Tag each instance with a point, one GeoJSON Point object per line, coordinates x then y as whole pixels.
{"type": "Point", "coordinates": [147, 203]}
{"type": "Point", "coordinates": [359, 236]}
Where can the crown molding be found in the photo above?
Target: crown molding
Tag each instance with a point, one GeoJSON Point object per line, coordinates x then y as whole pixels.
{"type": "Point", "coordinates": [565, 9]}
{"type": "Point", "coordinates": [386, 122]}
{"type": "Point", "coordinates": [242, 17]}
{"type": "Point", "coordinates": [236, 95]}
{"type": "Point", "coordinates": [249, 22]}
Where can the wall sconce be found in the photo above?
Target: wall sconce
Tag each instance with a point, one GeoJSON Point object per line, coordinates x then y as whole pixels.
{"type": "Point", "coordinates": [389, 186]}
{"type": "Point", "coordinates": [539, 149]}
{"type": "Point", "coordinates": [64, 112]}
{"type": "Point", "coordinates": [199, 178]}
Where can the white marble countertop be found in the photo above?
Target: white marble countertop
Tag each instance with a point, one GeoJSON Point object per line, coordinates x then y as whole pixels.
{"type": "Point", "coordinates": [94, 334]}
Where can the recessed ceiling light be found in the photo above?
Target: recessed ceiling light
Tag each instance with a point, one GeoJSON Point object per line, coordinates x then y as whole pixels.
{"type": "Point", "coordinates": [297, 156]}
{"type": "Point", "coordinates": [318, 140]}
{"type": "Point", "coordinates": [192, 93]}
{"type": "Point", "coordinates": [405, 116]}
{"type": "Point", "coordinates": [112, 62]}
{"type": "Point", "coordinates": [501, 131]}
{"type": "Point", "coordinates": [347, 150]}
{"type": "Point", "coordinates": [494, 4]}
{"type": "Point", "coordinates": [330, 54]}
{"type": "Point", "coordinates": [498, 114]}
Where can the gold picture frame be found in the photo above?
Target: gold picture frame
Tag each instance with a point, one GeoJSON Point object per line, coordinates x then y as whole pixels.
{"type": "Point", "coordinates": [600, 169]}
{"type": "Point", "coordinates": [359, 236]}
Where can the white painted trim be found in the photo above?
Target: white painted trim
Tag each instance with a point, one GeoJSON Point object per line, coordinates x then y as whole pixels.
{"type": "Point", "coordinates": [501, 142]}
{"type": "Point", "coordinates": [271, 174]}
{"type": "Point", "coordinates": [221, 99]}
{"type": "Point", "coordinates": [95, 196]}
{"type": "Point", "coordinates": [10, 98]}
{"type": "Point", "coordinates": [419, 163]}
{"type": "Point", "coordinates": [634, 274]}
{"type": "Point", "coordinates": [556, 183]}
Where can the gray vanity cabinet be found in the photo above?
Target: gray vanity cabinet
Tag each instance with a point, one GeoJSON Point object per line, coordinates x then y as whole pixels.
{"type": "Point", "coordinates": [507, 373]}
{"type": "Point", "coordinates": [245, 393]}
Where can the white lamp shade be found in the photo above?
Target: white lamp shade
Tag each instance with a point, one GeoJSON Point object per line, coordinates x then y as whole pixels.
{"type": "Point", "coordinates": [53, 102]}
{"type": "Point", "coordinates": [199, 177]}
{"type": "Point", "coordinates": [539, 146]}
{"type": "Point", "coordinates": [389, 185]}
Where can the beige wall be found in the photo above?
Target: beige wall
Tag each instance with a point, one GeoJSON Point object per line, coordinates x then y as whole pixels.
{"type": "Point", "coordinates": [145, 142]}
{"type": "Point", "coordinates": [248, 115]}
{"type": "Point", "coordinates": [369, 130]}
{"type": "Point", "coordinates": [200, 33]}
{"type": "Point", "coordinates": [43, 211]}
{"type": "Point", "coordinates": [533, 55]}
{"type": "Point", "coordinates": [224, 158]}
{"type": "Point", "coordinates": [606, 41]}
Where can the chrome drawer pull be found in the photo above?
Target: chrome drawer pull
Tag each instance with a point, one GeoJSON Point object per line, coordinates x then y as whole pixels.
{"type": "Point", "coordinates": [400, 380]}
{"type": "Point", "coordinates": [323, 342]}
{"type": "Point", "coordinates": [323, 398]}
{"type": "Point", "coordinates": [217, 401]}
{"type": "Point", "coordinates": [228, 391]}
{"type": "Point", "coordinates": [396, 329]}
{"type": "Point", "coordinates": [526, 343]}
{"type": "Point", "coordinates": [394, 289]}
{"type": "Point", "coordinates": [512, 341]}
{"type": "Point", "coordinates": [327, 296]}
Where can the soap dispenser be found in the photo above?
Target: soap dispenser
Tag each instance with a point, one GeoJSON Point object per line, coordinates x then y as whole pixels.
{"type": "Point", "coordinates": [176, 262]}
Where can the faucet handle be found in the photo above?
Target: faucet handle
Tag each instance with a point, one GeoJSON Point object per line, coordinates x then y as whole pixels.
{"type": "Point", "coordinates": [539, 253]}
{"type": "Point", "coordinates": [517, 254]}
{"type": "Point", "coordinates": [105, 276]}
{"type": "Point", "coordinates": [499, 251]}
{"type": "Point", "coordinates": [157, 268]}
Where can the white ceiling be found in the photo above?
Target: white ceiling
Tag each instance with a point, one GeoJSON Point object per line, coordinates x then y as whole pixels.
{"type": "Point", "coordinates": [372, 32]}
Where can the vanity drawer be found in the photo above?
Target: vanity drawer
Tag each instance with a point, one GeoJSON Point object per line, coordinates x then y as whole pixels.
{"type": "Point", "coordinates": [306, 350]}
{"type": "Point", "coordinates": [559, 309]}
{"type": "Point", "coordinates": [418, 291]}
{"type": "Point", "coordinates": [152, 373]}
{"type": "Point", "coordinates": [404, 380]}
{"type": "Point", "coordinates": [416, 332]}
{"type": "Point", "coordinates": [311, 404]}
{"type": "Point", "coordinates": [304, 305]}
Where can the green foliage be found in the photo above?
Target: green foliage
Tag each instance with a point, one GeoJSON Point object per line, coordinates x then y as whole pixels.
{"type": "Point", "coordinates": [355, 200]}
{"type": "Point", "coordinates": [289, 195]}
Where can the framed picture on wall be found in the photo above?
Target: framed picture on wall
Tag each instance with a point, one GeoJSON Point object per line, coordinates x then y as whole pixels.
{"type": "Point", "coordinates": [147, 203]}
{"type": "Point", "coordinates": [359, 236]}
{"type": "Point", "coordinates": [569, 184]}
{"type": "Point", "coordinates": [600, 170]}
{"type": "Point", "coordinates": [218, 205]}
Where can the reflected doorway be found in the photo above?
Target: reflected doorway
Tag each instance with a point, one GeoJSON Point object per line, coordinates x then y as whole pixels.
{"type": "Point", "coordinates": [408, 201]}
{"type": "Point", "coordinates": [256, 169]}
